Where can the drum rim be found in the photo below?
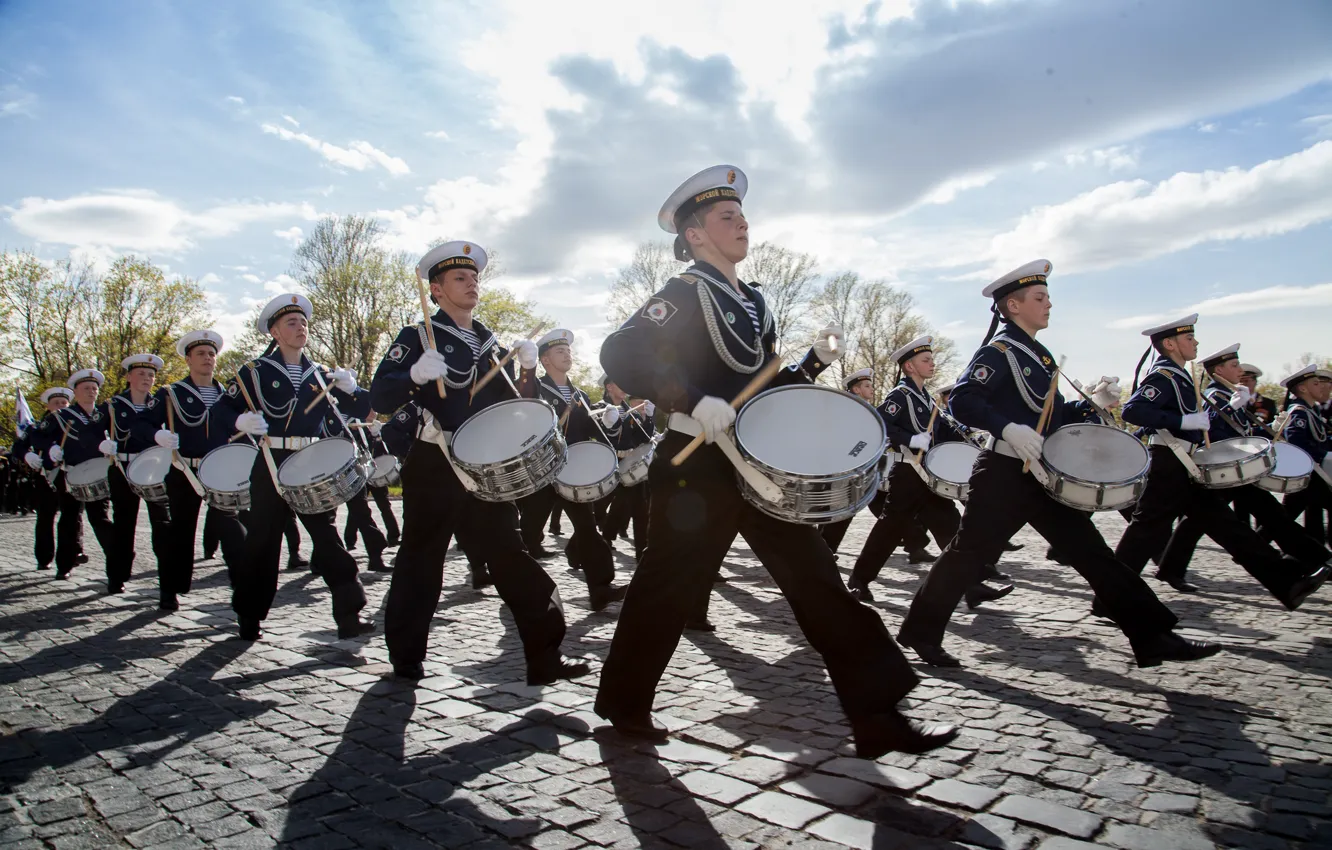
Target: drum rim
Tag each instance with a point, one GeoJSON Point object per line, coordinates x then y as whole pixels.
{"type": "Point", "coordinates": [453, 440]}
{"type": "Point", "coordinates": [152, 451]}
{"type": "Point", "coordinates": [1269, 451]}
{"type": "Point", "coordinates": [1146, 466]}
{"type": "Point", "coordinates": [105, 465]}
{"type": "Point", "coordinates": [874, 456]}
{"type": "Point", "coordinates": [615, 465]}
{"type": "Point", "coordinates": [1275, 466]}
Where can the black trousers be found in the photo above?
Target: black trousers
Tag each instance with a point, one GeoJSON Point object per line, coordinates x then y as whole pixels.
{"type": "Point", "coordinates": [1313, 501]}
{"type": "Point", "coordinates": [175, 571]}
{"type": "Point", "coordinates": [48, 505]}
{"type": "Point", "coordinates": [909, 503]}
{"type": "Point", "coordinates": [696, 512]}
{"type": "Point", "coordinates": [69, 528]}
{"type": "Point", "coordinates": [1003, 499]}
{"type": "Point", "coordinates": [361, 520]}
{"type": "Point", "coordinates": [434, 507]}
{"type": "Point", "coordinates": [586, 550]}
{"type": "Point", "coordinates": [1171, 494]}
{"type": "Point", "coordinates": [834, 532]}
{"type": "Point", "coordinates": [256, 576]}
{"type": "Point", "coordinates": [125, 520]}
{"type": "Point", "coordinates": [1273, 521]}
{"type": "Point", "coordinates": [381, 497]}
{"type": "Point", "coordinates": [628, 504]}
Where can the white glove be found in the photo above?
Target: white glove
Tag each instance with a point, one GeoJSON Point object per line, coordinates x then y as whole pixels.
{"type": "Point", "coordinates": [525, 352]}
{"type": "Point", "coordinates": [167, 440]}
{"type": "Point", "coordinates": [1194, 422]}
{"type": "Point", "coordinates": [428, 367]}
{"type": "Point", "coordinates": [920, 441]}
{"type": "Point", "coordinates": [56, 454]}
{"type": "Point", "coordinates": [715, 415]}
{"type": "Point", "coordinates": [252, 423]}
{"type": "Point", "coordinates": [107, 447]}
{"type": "Point", "coordinates": [610, 416]}
{"type": "Point", "coordinates": [1024, 440]}
{"type": "Point", "coordinates": [344, 380]}
{"type": "Point", "coordinates": [375, 427]}
{"type": "Point", "coordinates": [828, 344]}
{"type": "Point", "coordinates": [649, 408]}
{"type": "Point", "coordinates": [1241, 398]}
{"type": "Point", "coordinates": [1107, 393]}
{"type": "Point", "coordinates": [34, 460]}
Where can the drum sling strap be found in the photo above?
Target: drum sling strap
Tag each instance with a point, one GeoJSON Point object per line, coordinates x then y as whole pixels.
{"type": "Point", "coordinates": [431, 433]}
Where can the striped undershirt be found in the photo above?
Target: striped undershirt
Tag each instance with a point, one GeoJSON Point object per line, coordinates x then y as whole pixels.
{"type": "Point", "coordinates": [752, 310]}
{"type": "Point", "coordinates": [294, 372]}
{"type": "Point", "coordinates": [469, 336]}
{"type": "Point", "coordinates": [209, 395]}
{"type": "Point", "coordinates": [566, 390]}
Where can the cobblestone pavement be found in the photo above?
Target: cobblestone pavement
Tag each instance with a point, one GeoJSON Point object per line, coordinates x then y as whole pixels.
{"type": "Point", "coordinates": [128, 727]}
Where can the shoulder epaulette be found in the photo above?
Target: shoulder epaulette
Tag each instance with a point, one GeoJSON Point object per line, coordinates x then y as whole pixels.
{"type": "Point", "coordinates": [1000, 346]}
{"type": "Point", "coordinates": [689, 278]}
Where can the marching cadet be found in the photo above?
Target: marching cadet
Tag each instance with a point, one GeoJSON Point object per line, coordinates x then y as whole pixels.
{"type": "Point", "coordinates": [907, 415]}
{"type": "Point", "coordinates": [187, 419]}
{"type": "Point", "coordinates": [1261, 408]}
{"type": "Point", "coordinates": [628, 426]}
{"type": "Point", "coordinates": [380, 494]}
{"type": "Point", "coordinates": [861, 385]}
{"type": "Point", "coordinates": [1003, 392]}
{"type": "Point", "coordinates": [359, 517]}
{"type": "Point", "coordinates": [435, 503]}
{"type": "Point", "coordinates": [68, 437]}
{"type": "Point", "coordinates": [126, 438]}
{"type": "Point", "coordinates": [1308, 390]}
{"type": "Point", "coordinates": [586, 550]}
{"type": "Point", "coordinates": [271, 395]}
{"type": "Point", "coordinates": [1165, 406]}
{"type": "Point", "coordinates": [46, 499]}
{"type": "Point", "coordinates": [693, 346]}
{"type": "Point", "coordinates": [1231, 414]}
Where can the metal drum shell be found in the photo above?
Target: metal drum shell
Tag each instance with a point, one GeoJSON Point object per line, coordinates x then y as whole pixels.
{"type": "Point", "coordinates": [516, 477]}
{"type": "Point", "coordinates": [83, 482]}
{"type": "Point", "coordinates": [592, 491]}
{"type": "Point", "coordinates": [958, 491]}
{"type": "Point", "coordinates": [155, 492]}
{"type": "Point", "coordinates": [387, 478]}
{"type": "Point", "coordinates": [1102, 495]}
{"type": "Point", "coordinates": [634, 466]}
{"type": "Point", "coordinates": [1275, 483]}
{"type": "Point", "coordinates": [230, 501]}
{"type": "Point", "coordinates": [331, 489]}
{"type": "Point", "coordinates": [1222, 475]}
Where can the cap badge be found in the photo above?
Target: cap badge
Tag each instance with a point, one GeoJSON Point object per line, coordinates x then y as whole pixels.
{"type": "Point", "coordinates": [295, 299]}
{"type": "Point", "coordinates": [1047, 268]}
{"type": "Point", "coordinates": [730, 177]}
{"type": "Point", "coordinates": [467, 249]}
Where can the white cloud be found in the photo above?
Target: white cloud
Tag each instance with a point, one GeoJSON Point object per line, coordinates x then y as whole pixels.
{"type": "Point", "coordinates": [291, 235]}
{"type": "Point", "coordinates": [1206, 127]}
{"type": "Point", "coordinates": [358, 156]}
{"type": "Point", "coordinates": [1116, 158]}
{"type": "Point", "coordinates": [280, 284]}
{"type": "Point", "coordinates": [292, 121]}
{"type": "Point", "coordinates": [1135, 220]}
{"type": "Point", "coordinates": [236, 99]}
{"type": "Point", "coordinates": [15, 101]}
{"type": "Point", "coordinates": [1242, 303]}
{"type": "Point", "coordinates": [438, 134]}
{"type": "Point", "coordinates": [948, 191]}
{"type": "Point", "coordinates": [140, 220]}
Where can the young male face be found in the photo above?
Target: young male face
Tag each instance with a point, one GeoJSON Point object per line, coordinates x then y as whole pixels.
{"type": "Point", "coordinates": [558, 358]}
{"type": "Point", "coordinates": [460, 288]}
{"type": "Point", "coordinates": [202, 360]}
{"type": "Point", "coordinates": [291, 331]}
{"type": "Point", "coordinates": [141, 379]}
{"type": "Point", "coordinates": [864, 388]}
{"type": "Point", "coordinates": [1030, 307]}
{"type": "Point", "coordinates": [720, 227]}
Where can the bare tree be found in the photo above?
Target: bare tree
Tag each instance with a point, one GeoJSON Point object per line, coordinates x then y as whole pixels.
{"type": "Point", "coordinates": [652, 266]}
{"type": "Point", "coordinates": [787, 281]}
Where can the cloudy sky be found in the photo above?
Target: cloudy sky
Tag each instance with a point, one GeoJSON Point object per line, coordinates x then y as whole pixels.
{"type": "Point", "coordinates": [1166, 156]}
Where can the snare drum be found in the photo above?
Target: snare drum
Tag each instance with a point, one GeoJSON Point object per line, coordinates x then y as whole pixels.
{"type": "Point", "coordinates": [322, 476]}
{"type": "Point", "coordinates": [1292, 470]}
{"type": "Point", "coordinates": [634, 465]}
{"type": "Point", "coordinates": [948, 469]}
{"type": "Point", "coordinates": [511, 449]}
{"type": "Point", "coordinates": [147, 474]}
{"type": "Point", "coordinates": [225, 476]}
{"type": "Point", "coordinates": [1235, 462]}
{"type": "Point", "coordinates": [87, 481]}
{"type": "Point", "coordinates": [589, 472]}
{"type": "Point", "coordinates": [825, 479]}
{"type": "Point", "coordinates": [1095, 467]}
{"type": "Point", "coordinates": [385, 471]}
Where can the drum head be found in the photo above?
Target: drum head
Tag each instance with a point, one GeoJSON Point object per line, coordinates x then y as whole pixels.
{"type": "Point", "coordinates": [1095, 453]}
{"type": "Point", "coordinates": [952, 462]}
{"type": "Point", "coordinates": [88, 471]}
{"type": "Point", "coordinates": [588, 463]}
{"type": "Point", "coordinates": [808, 430]}
{"type": "Point", "coordinates": [150, 467]}
{"type": "Point", "coordinates": [637, 455]}
{"type": "Point", "coordinates": [502, 431]}
{"type": "Point", "coordinates": [1292, 461]}
{"type": "Point", "coordinates": [227, 469]}
{"type": "Point", "coordinates": [384, 464]}
{"type": "Point", "coordinates": [1228, 451]}
{"type": "Point", "coordinates": [315, 462]}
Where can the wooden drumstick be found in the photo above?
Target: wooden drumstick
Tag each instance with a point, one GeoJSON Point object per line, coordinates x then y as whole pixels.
{"type": "Point", "coordinates": [1198, 403]}
{"type": "Point", "coordinates": [929, 429]}
{"type": "Point", "coordinates": [429, 328]}
{"type": "Point", "coordinates": [175, 455]}
{"type": "Point", "coordinates": [1047, 408]}
{"type": "Point", "coordinates": [265, 445]}
{"type": "Point", "coordinates": [752, 389]}
{"type": "Point", "coordinates": [494, 370]}
{"type": "Point", "coordinates": [322, 395]}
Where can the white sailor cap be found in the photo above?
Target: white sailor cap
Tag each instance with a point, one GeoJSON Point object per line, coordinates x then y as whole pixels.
{"type": "Point", "coordinates": [86, 375]}
{"type": "Point", "coordinates": [288, 302]}
{"type": "Point", "coordinates": [1313, 370]}
{"type": "Point", "coordinates": [152, 361]}
{"type": "Point", "coordinates": [605, 379]}
{"type": "Point", "coordinates": [718, 183]}
{"type": "Point", "coordinates": [1216, 358]}
{"type": "Point", "coordinates": [57, 391]}
{"type": "Point", "coordinates": [1179, 326]}
{"type": "Point", "coordinates": [203, 337]}
{"type": "Point", "coordinates": [946, 388]}
{"type": "Point", "coordinates": [1250, 369]}
{"type": "Point", "coordinates": [452, 255]}
{"type": "Point", "coordinates": [917, 346]}
{"type": "Point", "coordinates": [559, 336]}
{"type": "Point", "coordinates": [1026, 275]}
{"type": "Point", "coordinates": [858, 376]}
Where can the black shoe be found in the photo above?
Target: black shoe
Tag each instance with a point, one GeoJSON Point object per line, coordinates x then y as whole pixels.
{"type": "Point", "coordinates": [547, 674]}
{"type": "Point", "coordinates": [377, 564]}
{"type": "Point", "coordinates": [932, 654]}
{"type": "Point", "coordinates": [296, 562]}
{"type": "Point", "coordinates": [555, 530]}
{"type": "Point", "coordinates": [610, 540]}
{"type": "Point", "coordinates": [1169, 646]}
{"type": "Point", "coordinates": [63, 573]}
{"type": "Point", "coordinates": [415, 671]}
{"type": "Point", "coordinates": [860, 591]}
{"type": "Point", "coordinates": [43, 566]}
{"type": "Point", "coordinates": [643, 728]}
{"type": "Point", "coordinates": [354, 626]}
{"type": "Point", "coordinates": [980, 593]}
{"type": "Point", "coordinates": [704, 625]}
{"type": "Point", "coordinates": [393, 541]}
{"type": "Point", "coordinates": [603, 595]}
{"type": "Point", "coordinates": [541, 554]}
{"type": "Point", "coordinates": [81, 558]}
{"type": "Point", "coordinates": [1052, 555]}
{"type": "Point", "coordinates": [481, 578]}
{"type": "Point", "coordinates": [1178, 583]}
{"type": "Point", "coordinates": [349, 545]}
{"type": "Point", "coordinates": [1098, 609]}
{"type": "Point", "coordinates": [891, 732]}
{"type": "Point", "coordinates": [249, 629]}
{"type": "Point", "coordinates": [720, 579]}
{"type": "Point", "coordinates": [113, 589]}
{"type": "Point", "coordinates": [1010, 546]}
{"type": "Point", "coordinates": [992, 573]}
{"type": "Point", "coordinates": [919, 556]}
{"type": "Point", "coordinates": [169, 602]}
{"type": "Point", "coordinates": [208, 554]}
{"type": "Point", "coordinates": [1304, 588]}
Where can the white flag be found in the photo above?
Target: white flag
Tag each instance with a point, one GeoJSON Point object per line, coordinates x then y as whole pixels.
{"type": "Point", "coordinates": [22, 415]}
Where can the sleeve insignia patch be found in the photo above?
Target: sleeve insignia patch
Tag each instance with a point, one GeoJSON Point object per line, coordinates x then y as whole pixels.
{"type": "Point", "coordinates": [402, 417]}
{"type": "Point", "coordinates": [659, 311]}
{"type": "Point", "coordinates": [232, 388]}
{"type": "Point", "coordinates": [1297, 423]}
{"type": "Point", "coordinates": [981, 373]}
{"type": "Point", "coordinates": [152, 402]}
{"type": "Point", "coordinates": [397, 352]}
{"type": "Point", "coordinates": [893, 408]}
{"type": "Point", "coordinates": [1150, 393]}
